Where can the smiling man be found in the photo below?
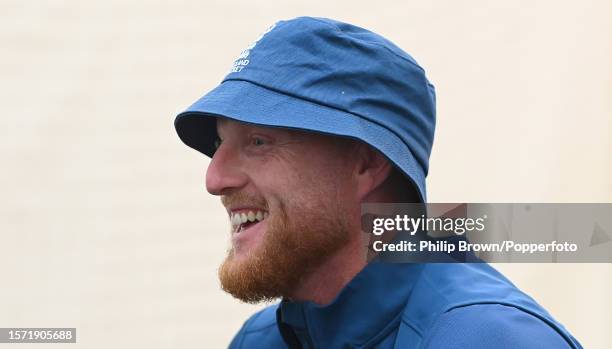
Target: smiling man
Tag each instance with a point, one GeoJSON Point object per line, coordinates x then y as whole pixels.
{"type": "Point", "coordinates": [314, 119]}
{"type": "Point", "coordinates": [292, 204]}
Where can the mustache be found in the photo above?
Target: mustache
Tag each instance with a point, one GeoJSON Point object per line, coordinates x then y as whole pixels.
{"type": "Point", "coordinates": [243, 199]}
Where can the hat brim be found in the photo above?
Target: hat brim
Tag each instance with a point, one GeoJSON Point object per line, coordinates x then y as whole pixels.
{"type": "Point", "coordinates": [248, 102]}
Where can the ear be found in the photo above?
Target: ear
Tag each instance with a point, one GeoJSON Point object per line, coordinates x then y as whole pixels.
{"type": "Point", "coordinates": [372, 169]}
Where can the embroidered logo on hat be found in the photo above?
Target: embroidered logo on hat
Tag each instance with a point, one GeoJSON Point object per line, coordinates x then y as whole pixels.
{"type": "Point", "coordinates": [242, 61]}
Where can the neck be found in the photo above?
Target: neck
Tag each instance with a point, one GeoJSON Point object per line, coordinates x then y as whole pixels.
{"type": "Point", "coordinates": [324, 283]}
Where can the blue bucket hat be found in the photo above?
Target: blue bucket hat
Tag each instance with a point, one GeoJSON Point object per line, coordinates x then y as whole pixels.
{"type": "Point", "coordinates": [325, 76]}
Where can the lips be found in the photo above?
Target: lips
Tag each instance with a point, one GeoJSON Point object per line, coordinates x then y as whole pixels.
{"type": "Point", "coordinates": [246, 236]}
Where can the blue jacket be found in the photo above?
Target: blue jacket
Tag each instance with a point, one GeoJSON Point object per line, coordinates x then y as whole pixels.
{"type": "Point", "coordinates": [409, 305]}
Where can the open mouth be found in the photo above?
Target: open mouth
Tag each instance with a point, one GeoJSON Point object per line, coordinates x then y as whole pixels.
{"type": "Point", "coordinates": [242, 221]}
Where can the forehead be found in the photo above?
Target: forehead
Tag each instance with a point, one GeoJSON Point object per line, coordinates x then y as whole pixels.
{"type": "Point", "coordinates": [228, 127]}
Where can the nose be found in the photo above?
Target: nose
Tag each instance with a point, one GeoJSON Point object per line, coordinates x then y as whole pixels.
{"type": "Point", "coordinates": [225, 171]}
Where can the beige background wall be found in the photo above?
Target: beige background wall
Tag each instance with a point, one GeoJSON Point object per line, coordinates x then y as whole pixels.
{"type": "Point", "coordinates": [105, 224]}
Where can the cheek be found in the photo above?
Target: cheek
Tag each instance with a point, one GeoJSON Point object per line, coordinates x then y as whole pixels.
{"type": "Point", "coordinates": [320, 193]}
{"type": "Point", "coordinates": [306, 182]}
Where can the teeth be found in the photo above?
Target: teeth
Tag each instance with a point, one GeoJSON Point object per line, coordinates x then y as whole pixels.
{"type": "Point", "coordinates": [252, 216]}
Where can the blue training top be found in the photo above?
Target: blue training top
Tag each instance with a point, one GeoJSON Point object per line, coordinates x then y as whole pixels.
{"type": "Point", "coordinates": [410, 305]}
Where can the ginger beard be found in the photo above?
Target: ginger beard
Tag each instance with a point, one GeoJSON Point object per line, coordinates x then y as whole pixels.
{"type": "Point", "coordinates": [298, 239]}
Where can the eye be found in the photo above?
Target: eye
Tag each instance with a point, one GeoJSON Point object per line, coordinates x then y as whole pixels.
{"type": "Point", "coordinates": [257, 141]}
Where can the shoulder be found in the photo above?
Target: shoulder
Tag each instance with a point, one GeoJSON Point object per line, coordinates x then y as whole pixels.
{"type": "Point", "coordinates": [472, 304]}
{"type": "Point", "coordinates": [260, 330]}
{"type": "Point", "coordinates": [492, 326]}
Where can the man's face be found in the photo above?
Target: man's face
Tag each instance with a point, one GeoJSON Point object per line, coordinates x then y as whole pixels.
{"type": "Point", "coordinates": [297, 189]}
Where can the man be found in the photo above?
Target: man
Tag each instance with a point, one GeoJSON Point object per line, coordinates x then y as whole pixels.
{"type": "Point", "coordinates": [314, 119]}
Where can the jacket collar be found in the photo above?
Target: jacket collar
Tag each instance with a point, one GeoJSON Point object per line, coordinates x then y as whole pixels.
{"type": "Point", "coordinates": [367, 308]}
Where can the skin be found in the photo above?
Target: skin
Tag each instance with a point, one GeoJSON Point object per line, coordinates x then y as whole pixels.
{"type": "Point", "coordinates": [311, 186]}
